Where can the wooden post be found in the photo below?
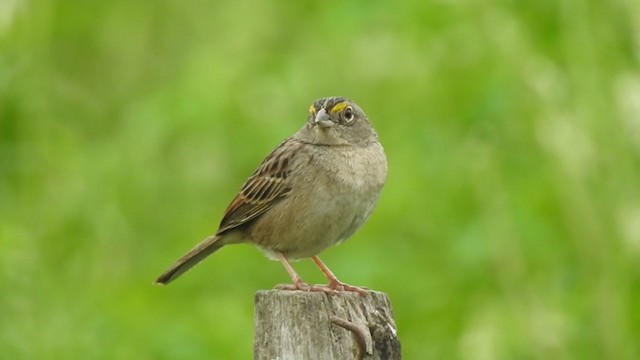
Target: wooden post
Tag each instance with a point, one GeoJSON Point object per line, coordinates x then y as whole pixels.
{"type": "Point", "coordinates": [314, 325]}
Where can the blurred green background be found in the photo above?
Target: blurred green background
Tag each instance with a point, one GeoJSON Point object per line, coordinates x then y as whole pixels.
{"type": "Point", "coordinates": [509, 227]}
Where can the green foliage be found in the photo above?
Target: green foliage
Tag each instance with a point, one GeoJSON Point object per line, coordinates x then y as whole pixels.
{"type": "Point", "coordinates": [509, 227]}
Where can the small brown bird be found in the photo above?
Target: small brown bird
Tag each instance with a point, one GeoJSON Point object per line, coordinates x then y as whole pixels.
{"type": "Point", "coordinates": [313, 191]}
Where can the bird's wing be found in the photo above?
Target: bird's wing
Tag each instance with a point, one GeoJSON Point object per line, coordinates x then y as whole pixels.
{"type": "Point", "coordinates": [268, 185]}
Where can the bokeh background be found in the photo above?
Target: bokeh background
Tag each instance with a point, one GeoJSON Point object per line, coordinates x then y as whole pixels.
{"type": "Point", "coordinates": [509, 227]}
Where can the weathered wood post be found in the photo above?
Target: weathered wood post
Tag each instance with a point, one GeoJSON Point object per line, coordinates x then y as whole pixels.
{"type": "Point", "coordinates": [313, 325]}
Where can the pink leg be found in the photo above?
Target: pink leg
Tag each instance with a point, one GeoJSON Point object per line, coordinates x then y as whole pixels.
{"type": "Point", "coordinates": [334, 283]}
{"type": "Point", "coordinates": [294, 275]}
{"type": "Point", "coordinates": [298, 283]}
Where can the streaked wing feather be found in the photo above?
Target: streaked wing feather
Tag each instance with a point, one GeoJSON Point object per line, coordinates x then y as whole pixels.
{"type": "Point", "coordinates": [268, 185]}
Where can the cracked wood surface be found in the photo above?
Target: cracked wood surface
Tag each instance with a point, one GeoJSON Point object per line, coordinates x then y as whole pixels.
{"type": "Point", "coordinates": [314, 325]}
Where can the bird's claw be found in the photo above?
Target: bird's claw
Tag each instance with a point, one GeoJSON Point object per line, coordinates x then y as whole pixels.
{"type": "Point", "coordinates": [302, 286]}
{"type": "Point", "coordinates": [340, 286]}
{"type": "Point", "coordinates": [332, 288]}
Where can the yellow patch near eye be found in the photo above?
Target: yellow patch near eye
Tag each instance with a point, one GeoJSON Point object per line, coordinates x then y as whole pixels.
{"type": "Point", "coordinates": [339, 107]}
{"type": "Point", "coordinates": [312, 109]}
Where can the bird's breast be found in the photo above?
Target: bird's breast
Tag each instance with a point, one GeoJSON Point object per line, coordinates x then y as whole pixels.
{"type": "Point", "coordinates": [333, 193]}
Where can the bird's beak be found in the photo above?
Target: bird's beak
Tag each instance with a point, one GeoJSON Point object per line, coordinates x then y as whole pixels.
{"type": "Point", "coordinates": [323, 119]}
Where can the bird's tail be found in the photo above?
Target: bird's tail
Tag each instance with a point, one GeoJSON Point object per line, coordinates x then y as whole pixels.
{"type": "Point", "coordinates": [205, 248]}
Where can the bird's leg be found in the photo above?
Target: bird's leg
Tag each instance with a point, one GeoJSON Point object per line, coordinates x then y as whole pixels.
{"type": "Point", "coordinates": [334, 283]}
{"type": "Point", "coordinates": [298, 283]}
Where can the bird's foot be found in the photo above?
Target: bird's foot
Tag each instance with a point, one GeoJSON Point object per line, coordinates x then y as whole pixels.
{"type": "Point", "coordinates": [336, 285]}
{"type": "Point", "coordinates": [332, 288]}
{"type": "Point", "coordinates": [303, 286]}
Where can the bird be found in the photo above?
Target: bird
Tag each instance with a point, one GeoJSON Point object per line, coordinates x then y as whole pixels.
{"type": "Point", "coordinates": [314, 190]}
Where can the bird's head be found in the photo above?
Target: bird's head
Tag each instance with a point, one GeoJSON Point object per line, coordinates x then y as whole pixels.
{"type": "Point", "coordinates": [337, 121]}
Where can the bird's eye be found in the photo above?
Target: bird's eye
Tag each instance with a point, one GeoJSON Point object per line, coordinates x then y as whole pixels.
{"type": "Point", "coordinates": [348, 115]}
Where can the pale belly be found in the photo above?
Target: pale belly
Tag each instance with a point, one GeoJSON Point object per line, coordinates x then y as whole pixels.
{"type": "Point", "coordinates": [300, 233]}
